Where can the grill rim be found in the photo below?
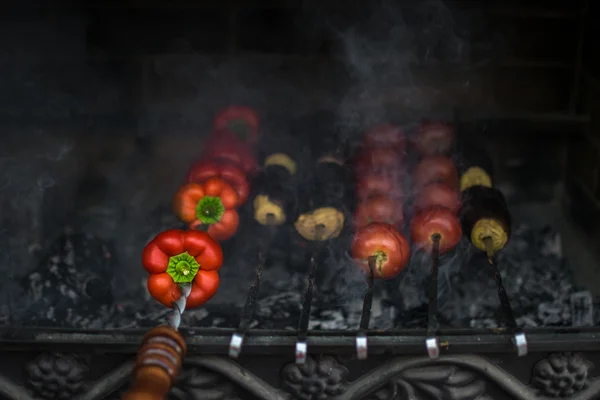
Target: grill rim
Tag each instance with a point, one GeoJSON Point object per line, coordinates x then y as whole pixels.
{"type": "Point", "coordinates": [216, 341]}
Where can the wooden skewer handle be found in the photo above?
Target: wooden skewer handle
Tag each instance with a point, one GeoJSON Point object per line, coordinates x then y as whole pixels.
{"type": "Point", "coordinates": [157, 365]}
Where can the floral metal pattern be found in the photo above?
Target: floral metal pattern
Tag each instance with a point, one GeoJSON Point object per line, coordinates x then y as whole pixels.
{"type": "Point", "coordinates": [204, 377]}
{"type": "Point", "coordinates": [319, 379]}
{"type": "Point", "coordinates": [199, 383]}
{"type": "Point", "coordinates": [56, 376]}
{"type": "Point", "coordinates": [434, 382]}
{"type": "Point", "coordinates": [561, 374]}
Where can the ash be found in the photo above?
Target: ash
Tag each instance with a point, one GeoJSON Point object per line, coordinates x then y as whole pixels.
{"type": "Point", "coordinates": [74, 287]}
{"type": "Point", "coordinates": [538, 281]}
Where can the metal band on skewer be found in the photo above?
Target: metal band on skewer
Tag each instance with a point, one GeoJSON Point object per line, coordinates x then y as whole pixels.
{"type": "Point", "coordinates": [431, 342]}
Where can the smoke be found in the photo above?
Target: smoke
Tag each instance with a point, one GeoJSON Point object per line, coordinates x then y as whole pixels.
{"type": "Point", "coordinates": [59, 168]}
{"type": "Point", "coordinates": [399, 58]}
{"type": "Point", "coordinates": [402, 58]}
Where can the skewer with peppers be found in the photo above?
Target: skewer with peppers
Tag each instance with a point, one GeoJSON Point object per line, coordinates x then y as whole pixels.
{"type": "Point", "coordinates": [218, 184]}
{"type": "Point", "coordinates": [435, 227]}
{"type": "Point", "coordinates": [183, 273]}
{"type": "Point", "coordinates": [183, 264]}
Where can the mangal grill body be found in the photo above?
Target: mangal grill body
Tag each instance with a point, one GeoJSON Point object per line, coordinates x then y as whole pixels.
{"type": "Point", "coordinates": [106, 106]}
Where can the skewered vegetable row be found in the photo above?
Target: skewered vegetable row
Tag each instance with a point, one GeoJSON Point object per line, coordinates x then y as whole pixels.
{"type": "Point", "coordinates": [484, 214]}
{"type": "Point", "coordinates": [218, 184]}
{"type": "Point", "coordinates": [378, 247]}
{"type": "Point", "coordinates": [436, 197]}
{"type": "Point", "coordinates": [183, 265]}
{"type": "Point", "coordinates": [274, 197]}
{"type": "Point", "coordinates": [323, 206]}
{"type": "Point", "coordinates": [434, 138]}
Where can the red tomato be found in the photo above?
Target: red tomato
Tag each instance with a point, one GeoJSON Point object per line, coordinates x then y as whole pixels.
{"type": "Point", "coordinates": [377, 159]}
{"type": "Point", "coordinates": [387, 246]}
{"type": "Point", "coordinates": [435, 220]}
{"type": "Point", "coordinates": [371, 184]}
{"type": "Point", "coordinates": [435, 169]}
{"type": "Point", "coordinates": [242, 121]}
{"type": "Point", "coordinates": [434, 138]}
{"type": "Point", "coordinates": [225, 145]}
{"type": "Point", "coordinates": [437, 194]}
{"type": "Point", "coordinates": [379, 208]}
{"type": "Point", "coordinates": [386, 135]}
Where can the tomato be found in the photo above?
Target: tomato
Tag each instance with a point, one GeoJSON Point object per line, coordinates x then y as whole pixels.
{"type": "Point", "coordinates": [230, 172]}
{"type": "Point", "coordinates": [371, 184]}
{"type": "Point", "coordinates": [435, 169]}
{"type": "Point", "coordinates": [436, 220]}
{"type": "Point", "coordinates": [434, 138]}
{"type": "Point", "coordinates": [174, 257]}
{"type": "Point", "coordinates": [242, 121]}
{"type": "Point", "coordinates": [378, 208]}
{"type": "Point", "coordinates": [437, 194]}
{"type": "Point", "coordinates": [225, 145]}
{"type": "Point", "coordinates": [370, 159]}
{"type": "Point", "coordinates": [386, 135]}
{"type": "Point", "coordinates": [388, 248]}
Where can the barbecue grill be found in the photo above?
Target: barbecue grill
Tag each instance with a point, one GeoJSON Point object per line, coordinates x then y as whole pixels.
{"type": "Point", "coordinates": [106, 105]}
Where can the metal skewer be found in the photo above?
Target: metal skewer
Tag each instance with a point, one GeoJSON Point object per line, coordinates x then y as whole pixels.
{"type": "Point", "coordinates": [520, 340]}
{"type": "Point", "coordinates": [301, 345]}
{"type": "Point", "coordinates": [174, 320]}
{"type": "Point", "coordinates": [160, 357]}
{"type": "Point", "coordinates": [432, 343]}
{"type": "Point", "coordinates": [362, 349]}
{"type": "Point", "coordinates": [237, 339]}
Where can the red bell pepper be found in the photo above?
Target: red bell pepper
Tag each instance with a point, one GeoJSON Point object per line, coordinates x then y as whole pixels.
{"type": "Point", "coordinates": [230, 172]}
{"type": "Point", "coordinates": [210, 204]}
{"type": "Point", "coordinates": [242, 121]}
{"type": "Point", "coordinates": [225, 145]}
{"type": "Point", "coordinates": [177, 256]}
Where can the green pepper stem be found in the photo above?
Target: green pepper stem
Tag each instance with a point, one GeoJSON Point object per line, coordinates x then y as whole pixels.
{"type": "Point", "coordinates": [210, 210]}
{"type": "Point", "coordinates": [183, 268]}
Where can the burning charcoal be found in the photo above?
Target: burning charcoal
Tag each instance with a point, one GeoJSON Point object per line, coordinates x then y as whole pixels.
{"type": "Point", "coordinates": [551, 313]}
{"type": "Point", "coordinates": [538, 283]}
{"type": "Point", "coordinates": [278, 311]}
{"type": "Point", "coordinates": [73, 285]}
{"type": "Point", "coordinates": [327, 319]}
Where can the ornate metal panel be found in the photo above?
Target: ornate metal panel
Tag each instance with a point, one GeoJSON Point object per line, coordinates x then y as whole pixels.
{"type": "Point", "coordinates": [54, 367]}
